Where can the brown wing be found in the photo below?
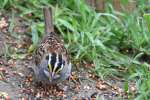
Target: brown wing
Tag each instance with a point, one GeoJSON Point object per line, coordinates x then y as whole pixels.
{"type": "Point", "coordinates": [49, 44]}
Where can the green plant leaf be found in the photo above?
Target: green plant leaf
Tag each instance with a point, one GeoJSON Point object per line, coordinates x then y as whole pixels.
{"type": "Point", "coordinates": [147, 20]}
{"type": "Point", "coordinates": [66, 24]}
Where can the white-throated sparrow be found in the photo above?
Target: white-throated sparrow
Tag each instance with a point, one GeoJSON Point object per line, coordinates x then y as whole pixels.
{"type": "Point", "coordinates": [51, 59]}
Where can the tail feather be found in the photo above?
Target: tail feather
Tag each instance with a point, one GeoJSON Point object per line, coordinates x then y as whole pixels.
{"type": "Point", "coordinates": [48, 20]}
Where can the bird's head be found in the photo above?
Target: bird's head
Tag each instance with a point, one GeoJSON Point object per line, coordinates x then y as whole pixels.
{"type": "Point", "coordinates": [55, 64]}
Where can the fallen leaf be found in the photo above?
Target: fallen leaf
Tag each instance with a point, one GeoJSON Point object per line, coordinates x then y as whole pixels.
{"type": "Point", "coordinates": [77, 88]}
{"type": "Point", "coordinates": [3, 23]}
{"type": "Point", "coordinates": [100, 85]}
{"type": "Point", "coordinates": [4, 95]}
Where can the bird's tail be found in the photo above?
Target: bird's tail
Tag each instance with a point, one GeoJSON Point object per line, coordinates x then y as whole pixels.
{"type": "Point", "coordinates": [48, 20]}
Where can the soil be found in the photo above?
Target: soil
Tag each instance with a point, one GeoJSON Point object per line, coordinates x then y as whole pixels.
{"type": "Point", "coordinates": [16, 82]}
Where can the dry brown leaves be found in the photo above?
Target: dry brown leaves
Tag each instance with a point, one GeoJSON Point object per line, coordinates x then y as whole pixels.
{"type": "Point", "coordinates": [4, 96]}
{"type": "Point", "coordinates": [3, 23]}
{"type": "Point", "coordinates": [101, 85]}
{"type": "Point", "coordinates": [3, 73]}
{"type": "Point", "coordinates": [41, 91]}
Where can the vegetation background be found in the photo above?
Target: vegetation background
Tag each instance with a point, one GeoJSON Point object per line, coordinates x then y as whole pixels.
{"type": "Point", "coordinates": [116, 44]}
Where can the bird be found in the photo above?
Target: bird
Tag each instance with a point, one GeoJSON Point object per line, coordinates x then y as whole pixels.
{"type": "Point", "coordinates": [51, 59]}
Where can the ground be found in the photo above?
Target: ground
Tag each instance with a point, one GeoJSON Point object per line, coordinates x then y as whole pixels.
{"type": "Point", "coordinates": [16, 82]}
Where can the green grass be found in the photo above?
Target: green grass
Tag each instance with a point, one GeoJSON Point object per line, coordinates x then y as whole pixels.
{"type": "Point", "coordinates": [111, 40]}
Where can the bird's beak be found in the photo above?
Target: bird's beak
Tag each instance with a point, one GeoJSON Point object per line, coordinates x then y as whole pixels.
{"type": "Point", "coordinates": [52, 75]}
{"type": "Point", "coordinates": [48, 75]}
{"type": "Point", "coordinates": [50, 79]}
